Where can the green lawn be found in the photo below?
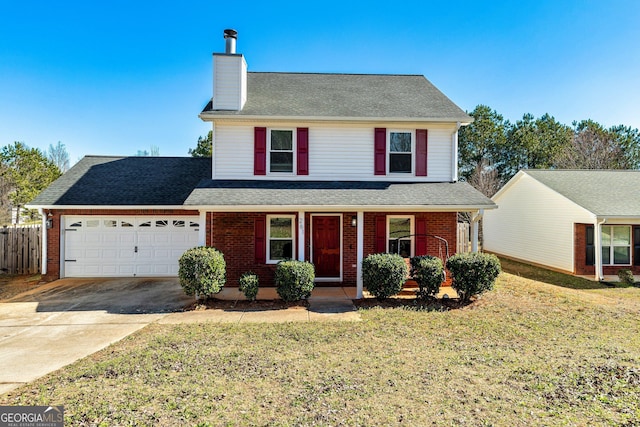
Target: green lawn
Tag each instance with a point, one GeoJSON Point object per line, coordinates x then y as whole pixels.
{"type": "Point", "coordinates": [541, 349]}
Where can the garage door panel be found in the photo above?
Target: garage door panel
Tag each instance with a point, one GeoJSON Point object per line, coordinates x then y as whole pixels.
{"type": "Point", "coordinates": [106, 246]}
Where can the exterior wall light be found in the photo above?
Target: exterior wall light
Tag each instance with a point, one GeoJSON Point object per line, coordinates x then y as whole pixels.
{"type": "Point", "coordinates": [354, 221]}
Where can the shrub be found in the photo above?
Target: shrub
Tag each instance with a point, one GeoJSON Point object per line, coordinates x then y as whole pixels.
{"type": "Point", "coordinates": [473, 273]}
{"type": "Point", "coordinates": [249, 285]}
{"type": "Point", "coordinates": [202, 271]}
{"type": "Point", "coordinates": [294, 279]}
{"type": "Point", "coordinates": [428, 272]}
{"type": "Point", "coordinates": [626, 276]}
{"type": "Point", "coordinates": [384, 274]}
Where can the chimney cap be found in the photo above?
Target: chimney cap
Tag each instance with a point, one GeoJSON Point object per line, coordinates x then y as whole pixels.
{"type": "Point", "coordinates": [230, 33]}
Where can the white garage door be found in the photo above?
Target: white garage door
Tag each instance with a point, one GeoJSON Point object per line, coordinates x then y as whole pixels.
{"type": "Point", "coordinates": [118, 246]}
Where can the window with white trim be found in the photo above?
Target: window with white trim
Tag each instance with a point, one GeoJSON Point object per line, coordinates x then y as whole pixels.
{"type": "Point", "coordinates": [280, 237]}
{"type": "Point", "coordinates": [281, 150]}
{"type": "Point", "coordinates": [401, 151]}
{"type": "Point", "coordinates": [400, 235]}
{"type": "Point", "coordinates": [616, 245]}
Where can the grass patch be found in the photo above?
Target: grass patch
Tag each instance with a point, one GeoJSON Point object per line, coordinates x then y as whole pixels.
{"type": "Point", "coordinates": [527, 353]}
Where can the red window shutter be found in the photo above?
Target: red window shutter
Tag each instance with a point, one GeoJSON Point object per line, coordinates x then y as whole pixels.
{"type": "Point", "coordinates": [421, 236]}
{"type": "Point", "coordinates": [380, 151]}
{"type": "Point", "coordinates": [421, 152]}
{"type": "Point", "coordinates": [260, 248]}
{"type": "Point", "coordinates": [260, 151]}
{"type": "Point", "coordinates": [381, 234]}
{"type": "Point", "coordinates": [303, 151]}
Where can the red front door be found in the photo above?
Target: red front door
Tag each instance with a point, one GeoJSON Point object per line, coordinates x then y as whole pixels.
{"type": "Point", "coordinates": [326, 246]}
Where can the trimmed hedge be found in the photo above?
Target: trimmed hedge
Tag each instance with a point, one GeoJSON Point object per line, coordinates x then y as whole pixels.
{"type": "Point", "coordinates": [428, 272]}
{"type": "Point", "coordinates": [294, 279]}
{"type": "Point", "coordinates": [384, 274]}
{"type": "Point", "coordinates": [249, 285]}
{"type": "Point", "coordinates": [473, 273]}
{"type": "Point", "coordinates": [626, 277]}
{"type": "Point", "coordinates": [202, 272]}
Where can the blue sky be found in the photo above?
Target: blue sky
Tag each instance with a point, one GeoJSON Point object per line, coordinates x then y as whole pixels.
{"type": "Point", "coordinates": [120, 76]}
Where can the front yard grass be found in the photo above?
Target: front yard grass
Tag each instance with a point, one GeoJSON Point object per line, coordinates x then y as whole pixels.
{"type": "Point", "coordinates": [527, 353]}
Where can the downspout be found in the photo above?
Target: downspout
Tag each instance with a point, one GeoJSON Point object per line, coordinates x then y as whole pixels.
{"type": "Point", "coordinates": [597, 240]}
{"type": "Point", "coordinates": [43, 225]}
{"type": "Point", "coordinates": [454, 162]}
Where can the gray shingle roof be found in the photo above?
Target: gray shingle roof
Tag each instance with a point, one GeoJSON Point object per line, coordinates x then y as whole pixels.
{"type": "Point", "coordinates": [126, 181]}
{"type": "Point", "coordinates": [602, 192]}
{"type": "Point", "coordinates": [345, 96]}
{"type": "Point", "coordinates": [326, 194]}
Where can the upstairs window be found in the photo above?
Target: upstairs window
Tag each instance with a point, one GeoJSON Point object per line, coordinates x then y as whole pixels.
{"type": "Point", "coordinates": [281, 149]}
{"type": "Point", "coordinates": [400, 152]}
{"type": "Point", "coordinates": [616, 245]}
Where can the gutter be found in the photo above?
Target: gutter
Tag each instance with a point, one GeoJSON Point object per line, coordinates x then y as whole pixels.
{"type": "Point", "coordinates": [253, 117]}
{"type": "Point", "coordinates": [335, 208]}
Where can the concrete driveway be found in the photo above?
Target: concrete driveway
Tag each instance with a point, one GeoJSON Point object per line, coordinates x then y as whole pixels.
{"type": "Point", "coordinates": [56, 324]}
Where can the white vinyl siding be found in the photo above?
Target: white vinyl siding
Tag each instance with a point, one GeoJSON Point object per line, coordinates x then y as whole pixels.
{"type": "Point", "coordinates": [534, 223]}
{"type": "Point", "coordinates": [229, 83]}
{"type": "Point", "coordinates": [336, 152]}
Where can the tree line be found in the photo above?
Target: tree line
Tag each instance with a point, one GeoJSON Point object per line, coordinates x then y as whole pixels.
{"type": "Point", "coordinates": [25, 172]}
{"type": "Point", "coordinates": [492, 150]}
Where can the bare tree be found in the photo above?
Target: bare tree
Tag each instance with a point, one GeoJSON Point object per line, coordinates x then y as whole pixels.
{"type": "Point", "coordinates": [59, 156]}
{"type": "Point", "coordinates": [485, 178]}
{"type": "Point", "coordinates": [593, 147]}
{"type": "Point", "coordinates": [5, 188]}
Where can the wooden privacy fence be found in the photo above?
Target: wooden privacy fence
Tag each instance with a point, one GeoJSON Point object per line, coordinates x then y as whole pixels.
{"type": "Point", "coordinates": [464, 240]}
{"type": "Point", "coordinates": [20, 249]}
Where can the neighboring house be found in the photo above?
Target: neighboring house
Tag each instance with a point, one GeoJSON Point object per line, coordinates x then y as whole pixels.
{"type": "Point", "coordinates": [584, 222]}
{"type": "Point", "coordinates": [321, 167]}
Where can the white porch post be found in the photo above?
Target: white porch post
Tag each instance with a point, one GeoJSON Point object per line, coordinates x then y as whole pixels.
{"type": "Point", "coordinates": [359, 252]}
{"type": "Point", "coordinates": [597, 242]}
{"type": "Point", "coordinates": [43, 227]}
{"type": "Point", "coordinates": [475, 227]}
{"type": "Point", "coordinates": [301, 234]}
{"type": "Point", "coordinates": [202, 231]}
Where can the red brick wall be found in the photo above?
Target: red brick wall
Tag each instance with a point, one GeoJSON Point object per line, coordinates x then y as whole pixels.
{"type": "Point", "coordinates": [232, 234]}
{"type": "Point", "coordinates": [53, 234]}
{"type": "Point", "coordinates": [579, 249]}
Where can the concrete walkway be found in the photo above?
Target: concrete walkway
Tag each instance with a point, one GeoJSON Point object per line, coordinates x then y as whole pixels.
{"type": "Point", "coordinates": [49, 327]}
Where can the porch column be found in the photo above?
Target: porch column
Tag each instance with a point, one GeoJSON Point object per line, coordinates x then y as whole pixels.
{"type": "Point", "coordinates": [475, 226]}
{"type": "Point", "coordinates": [359, 252]}
{"type": "Point", "coordinates": [597, 242]}
{"type": "Point", "coordinates": [301, 234]}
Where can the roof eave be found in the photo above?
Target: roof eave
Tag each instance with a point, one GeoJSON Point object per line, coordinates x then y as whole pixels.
{"type": "Point", "coordinates": [341, 208]}
{"type": "Point", "coordinates": [108, 207]}
{"type": "Point", "coordinates": [210, 116]}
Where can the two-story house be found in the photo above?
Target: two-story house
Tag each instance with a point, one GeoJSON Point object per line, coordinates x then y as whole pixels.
{"type": "Point", "coordinates": [321, 167]}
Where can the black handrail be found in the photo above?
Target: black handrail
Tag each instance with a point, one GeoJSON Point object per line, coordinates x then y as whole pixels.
{"type": "Point", "coordinates": [446, 243]}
